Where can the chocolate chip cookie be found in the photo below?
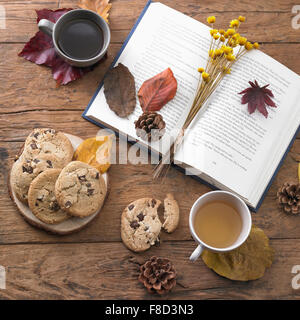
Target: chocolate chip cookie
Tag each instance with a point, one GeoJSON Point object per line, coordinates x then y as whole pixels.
{"type": "Point", "coordinates": [80, 189]}
{"type": "Point", "coordinates": [48, 141]}
{"type": "Point", "coordinates": [42, 200]}
{"type": "Point", "coordinates": [25, 170]}
{"type": "Point", "coordinates": [140, 224]}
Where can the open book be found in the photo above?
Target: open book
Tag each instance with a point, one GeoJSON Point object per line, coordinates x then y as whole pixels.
{"type": "Point", "coordinates": [226, 146]}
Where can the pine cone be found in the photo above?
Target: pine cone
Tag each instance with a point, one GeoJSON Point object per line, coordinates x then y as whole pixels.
{"type": "Point", "coordinates": [158, 275]}
{"type": "Point", "coordinates": [289, 197]}
{"type": "Point", "coordinates": [150, 126]}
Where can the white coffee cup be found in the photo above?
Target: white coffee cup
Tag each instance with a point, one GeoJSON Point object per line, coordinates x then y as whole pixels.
{"type": "Point", "coordinates": [229, 198]}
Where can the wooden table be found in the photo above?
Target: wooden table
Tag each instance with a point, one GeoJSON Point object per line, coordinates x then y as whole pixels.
{"type": "Point", "coordinates": [94, 264]}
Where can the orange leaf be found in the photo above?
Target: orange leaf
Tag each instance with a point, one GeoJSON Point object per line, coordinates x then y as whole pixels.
{"type": "Point", "coordinates": [157, 91]}
{"type": "Point", "coordinates": [96, 152]}
{"type": "Point", "coordinates": [102, 7]}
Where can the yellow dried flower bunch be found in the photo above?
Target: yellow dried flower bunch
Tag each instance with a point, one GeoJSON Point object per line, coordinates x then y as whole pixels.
{"type": "Point", "coordinates": [226, 47]}
{"type": "Point", "coordinates": [221, 54]}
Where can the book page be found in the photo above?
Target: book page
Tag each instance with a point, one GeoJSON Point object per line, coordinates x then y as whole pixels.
{"type": "Point", "coordinates": [234, 147]}
{"type": "Point", "coordinates": [164, 38]}
{"type": "Point", "coordinates": [238, 150]}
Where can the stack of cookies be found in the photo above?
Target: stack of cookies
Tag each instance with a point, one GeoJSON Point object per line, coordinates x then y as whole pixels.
{"type": "Point", "coordinates": [53, 186]}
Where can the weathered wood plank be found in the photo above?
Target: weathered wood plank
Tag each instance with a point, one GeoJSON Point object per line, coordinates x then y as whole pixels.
{"type": "Point", "coordinates": [20, 80]}
{"type": "Point", "coordinates": [42, 266]}
{"type": "Point", "coordinates": [130, 182]}
{"type": "Point", "coordinates": [110, 271]}
{"type": "Point", "coordinates": [21, 18]}
{"type": "Point", "coordinates": [266, 22]}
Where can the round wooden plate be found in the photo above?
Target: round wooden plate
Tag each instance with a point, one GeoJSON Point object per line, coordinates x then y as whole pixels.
{"type": "Point", "coordinates": [71, 225]}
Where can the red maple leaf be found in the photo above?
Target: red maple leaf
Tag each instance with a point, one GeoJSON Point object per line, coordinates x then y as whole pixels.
{"type": "Point", "coordinates": [257, 98]}
{"type": "Point", "coordinates": [39, 49]}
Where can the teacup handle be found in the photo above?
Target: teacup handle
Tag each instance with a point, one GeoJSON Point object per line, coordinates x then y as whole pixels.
{"type": "Point", "coordinates": [46, 26]}
{"type": "Point", "coordinates": [197, 253]}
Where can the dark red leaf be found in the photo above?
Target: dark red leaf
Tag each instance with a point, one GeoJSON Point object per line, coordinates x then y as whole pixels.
{"type": "Point", "coordinates": [245, 98]}
{"type": "Point", "coordinates": [257, 98]}
{"type": "Point", "coordinates": [251, 107]}
{"type": "Point", "coordinates": [52, 15]}
{"type": "Point", "coordinates": [252, 84]}
{"type": "Point", "coordinates": [40, 50]}
{"type": "Point", "coordinates": [261, 107]}
{"type": "Point", "coordinates": [64, 73]}
{"type": "Point", "coordinates": [157, 91]}
{"type": "Point", "coordinates": [269, 92]}
{"type": "Point", "coordinates": [245, 91]}
{"type": "Point", "coordinates": [269, 101]}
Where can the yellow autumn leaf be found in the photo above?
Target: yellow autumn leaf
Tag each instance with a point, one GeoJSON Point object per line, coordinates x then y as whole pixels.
{"type": "Point", "coordinates": [96, 152]}
{"type": "Point", "coordinates": [102, 7]}
{"type": "Point", "coordinates": [247, 262]}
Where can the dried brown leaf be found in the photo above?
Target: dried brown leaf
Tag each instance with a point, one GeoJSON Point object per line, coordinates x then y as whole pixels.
{"type": "Point", "coordinates": [102, 7]}
{"type": "Point", "coordinates": [119, 90]}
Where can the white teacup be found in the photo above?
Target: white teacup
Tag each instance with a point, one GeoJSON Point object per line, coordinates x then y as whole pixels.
{"type": "Point", "coordinates": [237, 203]}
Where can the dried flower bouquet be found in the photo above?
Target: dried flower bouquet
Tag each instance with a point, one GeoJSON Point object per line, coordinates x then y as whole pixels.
{"type": "Point", "coordinates": [221, 57]}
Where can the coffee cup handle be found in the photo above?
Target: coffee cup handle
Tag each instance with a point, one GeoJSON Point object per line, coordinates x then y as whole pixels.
{"type": "Point", "coordinates": [46, 26]}
{"type": "Point", "coordinates": [197, 253]}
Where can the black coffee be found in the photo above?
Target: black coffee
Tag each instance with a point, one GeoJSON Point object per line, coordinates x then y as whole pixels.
{"type": "Point", "coordinates": [80, 39]}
